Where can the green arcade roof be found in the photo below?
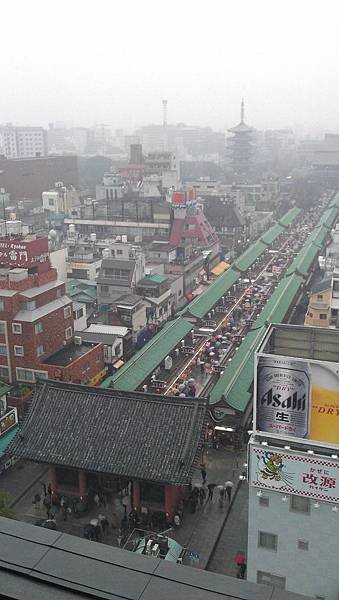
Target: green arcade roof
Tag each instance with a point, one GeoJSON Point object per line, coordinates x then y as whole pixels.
{"type": "Point", "coordinates": [250, 256]}
{"type": "Point", "coordinates": [289, 217]}
{"type": "Point", "coordinates": [137, 369]}
{"type": "Point", "coordinates": [271, 235]}
{"type": "Point", "coordinates": [200, 306]}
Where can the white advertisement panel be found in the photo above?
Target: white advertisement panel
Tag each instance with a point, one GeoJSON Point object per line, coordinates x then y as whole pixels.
{"type": "Point", "coordinates": [297, 398]}
{"type": "Point", "coordinates": [294, 473]}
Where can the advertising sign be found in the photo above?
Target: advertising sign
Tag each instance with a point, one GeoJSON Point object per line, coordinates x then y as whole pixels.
{"type": "Point", "coordinates": [8, 421]}
{"type": "Point", "coordinates": [23, 253]}
{"type": "Point", "coordinates": [294, 473]}
{"type": "Point", "coordinates": [179, 198]}
{"type": "Point", "coordinates": [297, 398]}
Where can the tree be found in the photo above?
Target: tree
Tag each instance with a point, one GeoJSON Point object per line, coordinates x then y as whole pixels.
{"type": "Point", "coordinates": [5, 510]}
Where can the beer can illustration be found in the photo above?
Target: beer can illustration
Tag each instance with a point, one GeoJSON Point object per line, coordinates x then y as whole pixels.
{"type": "Point", "coordinates": [283, 396]}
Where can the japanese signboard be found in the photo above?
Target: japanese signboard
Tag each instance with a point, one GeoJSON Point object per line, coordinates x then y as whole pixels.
{"type": "Point", "coordinates": [23, 253]}
{"type": "Point", "coordinates": [294, 473]}
{"type": "Point", "coordinates": [8, 421]}
{"type": "Point", "coordinates": [297, 398]}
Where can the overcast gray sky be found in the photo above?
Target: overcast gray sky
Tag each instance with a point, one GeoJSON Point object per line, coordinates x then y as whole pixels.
{"type": "Point", "coordinates": [108, 61]}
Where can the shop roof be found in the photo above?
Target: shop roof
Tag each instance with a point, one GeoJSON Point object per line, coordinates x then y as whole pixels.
{"type": "Point", "coordinates": [142, 363]}
{"type": "Point", "coordinates": [200, 306]}
{"type": "Point", "coordinates": [140, 436]}
{"type": "Point", "coordinates": [155, 278]}
{"type": "Point", "coordinates": [289, 217]}
{"type": "Point", "coordinates": [271, 235]}
{"type": "Point", "coordinates": [250, 256]}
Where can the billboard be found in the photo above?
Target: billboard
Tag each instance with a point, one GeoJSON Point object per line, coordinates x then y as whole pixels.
{"type": "Point", "coordinates": [23, 253]}
{"type": "Point", "coordinates": [179, 199]}
{"type": "Point", "coordinates": [8, 421]}
{"type": "Point", "coordinates": [294, 473]}
{"type": "Point", "coordinates": [297, 398]}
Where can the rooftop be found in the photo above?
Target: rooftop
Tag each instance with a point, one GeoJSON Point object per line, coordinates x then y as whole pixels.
{"type": "Point", "coordinates": [67, 354]}
{"type": "Point", "coordinates": [140, 436]}
{"type": "Point", "coordinates": [43, 564]}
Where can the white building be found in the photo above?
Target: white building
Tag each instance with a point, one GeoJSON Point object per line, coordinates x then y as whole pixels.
{"type": "Point", "coordinates": [60, 200]}
{"type": "Point", "coordinates": [293, 525]}
{"type": "Point", "coordinates": [22, 142]}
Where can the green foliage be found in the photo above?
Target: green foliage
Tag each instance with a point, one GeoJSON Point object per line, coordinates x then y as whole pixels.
{"type": "Point", "coordinates": [5, 511]}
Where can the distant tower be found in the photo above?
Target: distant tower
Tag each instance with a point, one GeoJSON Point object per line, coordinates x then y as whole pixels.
{"type": "Point", "coordinates": [164, 123]}
{"type": "Point", "coordinates": [242, 144]}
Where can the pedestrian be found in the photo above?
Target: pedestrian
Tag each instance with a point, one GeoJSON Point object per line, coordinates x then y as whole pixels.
{"type": "Point", "coordinates": [228, 487]}
{"type": "Point", "coordinates": [210, 488]}
{"type": "Point", "coordinates": [37, 500]}
{"type": "Point", "coordinates": [202, 496]}
{"type": "Point", "coordinates": [49, 489]}
{"type": "Point", "coordinates": [125, 502]}
{"type": "Point", "coordinates": [97, 499]}
{"type": "Point", "coordinates": [202, 367]}
{"type": "Point", "coordinates": [203, 474]}
{"type": "Point", "coordinates": [44, 488]}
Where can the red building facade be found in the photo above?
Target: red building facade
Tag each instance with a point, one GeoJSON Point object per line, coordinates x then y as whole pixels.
{"type": "Point", "coordinates": [36, 319]}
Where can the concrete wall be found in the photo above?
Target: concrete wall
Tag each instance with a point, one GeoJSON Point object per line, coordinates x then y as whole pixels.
{"type": "Point", "coordinates": [312, 572]}
{"type": "Point", "coordinates": [58, 262]}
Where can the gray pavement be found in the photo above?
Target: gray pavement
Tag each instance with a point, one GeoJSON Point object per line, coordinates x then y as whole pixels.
{"type": "Point", "coordinates": [199, 532]}
{"type": "Point", "coordinates": [233, 537]}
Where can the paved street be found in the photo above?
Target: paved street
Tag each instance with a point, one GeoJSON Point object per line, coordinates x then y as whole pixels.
{"type": "Point", "coordinates": [234, 535]}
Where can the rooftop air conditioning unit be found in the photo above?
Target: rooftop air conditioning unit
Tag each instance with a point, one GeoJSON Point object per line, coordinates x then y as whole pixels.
{"type": "Point", "coordinates": [77, 340]}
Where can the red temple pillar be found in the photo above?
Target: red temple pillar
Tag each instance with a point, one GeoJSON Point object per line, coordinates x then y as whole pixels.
{"type": "Point", "coordinates": [82, 484]}
{"type": "Point", "coordinates": [172, 496]}
{"type": "Point", "coordinates": [52, 475]}
{"type": "Point", "coordinates": [136, 496]}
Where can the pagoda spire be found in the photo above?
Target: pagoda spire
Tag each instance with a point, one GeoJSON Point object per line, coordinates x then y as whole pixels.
{"type": "Point", "coordinates": [242, 113]}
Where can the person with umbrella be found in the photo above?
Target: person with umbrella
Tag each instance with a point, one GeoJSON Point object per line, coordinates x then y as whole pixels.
{"type": "Point", "coordinates": [240, 561]}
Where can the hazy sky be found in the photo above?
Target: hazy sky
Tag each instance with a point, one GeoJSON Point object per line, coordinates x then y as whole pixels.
{"type": "Point", "coordinates": [108, 61]}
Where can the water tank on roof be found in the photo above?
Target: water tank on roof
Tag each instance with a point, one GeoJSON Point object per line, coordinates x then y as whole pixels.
{"type": "Point", "coordinates": [93, 237]}
{"type": "Point", "coordinates": [124, 239]}
{"type": "Point", "coordinates": [106, 253]}
{"type": "Point", "coordinates": [71, 229]}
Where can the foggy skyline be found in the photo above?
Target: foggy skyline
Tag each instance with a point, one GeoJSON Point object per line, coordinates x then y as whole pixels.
{"type": "Point", "coordinates": [107, 63]}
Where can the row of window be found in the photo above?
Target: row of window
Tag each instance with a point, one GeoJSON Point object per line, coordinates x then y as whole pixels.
{"type": "Point", "coordinates": [19, 350]}
{"type": "Point", "coordinates": [269, 541]}
{"type": "Point", "coordinates": [297, 503]}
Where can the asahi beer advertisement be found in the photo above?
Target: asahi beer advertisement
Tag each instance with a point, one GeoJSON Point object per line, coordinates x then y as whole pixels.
{"type": "Point", "coordinates": [293, 473]}
{"type": "Point", "coordinates": [297, 398]}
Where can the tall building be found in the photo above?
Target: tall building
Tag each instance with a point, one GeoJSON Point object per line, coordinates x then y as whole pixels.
{"type": "Point", "coordinates": [23, 142]}
{"type": "Point", "coordinates": [241, 144]}
{"type": "Point", "coordinates": [293, 523]}
{"type": "Point", "coordinates": [36, 318]}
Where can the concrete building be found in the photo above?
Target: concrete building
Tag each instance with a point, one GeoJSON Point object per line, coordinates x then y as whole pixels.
{"type": "Point", "coordinates": [60, 201]}
{"type": "Point", "coordinates": [26, 178]}
{"type": "Point", "coordinates": [120, 272]}
{"type": "Point", "coordinates": [293, 462]}
{"type": "Point", "coordinates": [22, 142]}
{"type": "Point", "coordinates": [319, 305]}
{"type": "Point", "coordinates": [117, 341]}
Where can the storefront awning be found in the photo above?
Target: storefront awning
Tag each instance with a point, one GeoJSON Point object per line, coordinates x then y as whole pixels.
{"type": "Point", "coordinates": [220, 268]}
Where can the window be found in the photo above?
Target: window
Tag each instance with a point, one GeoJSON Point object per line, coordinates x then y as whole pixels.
{"type": "Point", "coordinates": [319, 297]}
{"type": "Point", "coordinates": [79, 313]}
{"type": "Point", "coordinates": [302, 544]}
{"type": "Point", "coordinates": [264, 501]}
{"type": "Point", "coordinates": [59, 293]}
{"type": "Point", "coordinates": [119, 251]}
{"type": "Point", "coordinates": [68, 333]}
{"type": "Point", "coordinates": [40, 350]}
{"type": "Point", "coordinates": [300, 504]}
{"type": "Point", "coordinates": [39, 327]}
{"type": "Point", "coordinates": [24, 375]}
{"type": "Point", "coordinates": [29, 305]}
{"type": "Point", "coordinates": [19, 350]}
{"type": "Point", "coordinates": [3, 350]}
{"type": "Point", "coordinates": [323, 316]}
{"type": "Point", "coordinates": [50, 201]}
{"type": "Point", "coordinates": [104, 289]}
{"type": "Point", "coordinates": [2, 305]}
{"type": "Point", "coordinates": [16, 327]}
{"type": "Point", "coordinates": [270, 579]}
{"type": "Point", "coordinates": [311, 314]}
{"type": "Point", "coordinates": [4, 371]}
{"type": "Point", "coordinates": [267, 540]}
{"type": "Point", "coordinates": [67, 312]}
